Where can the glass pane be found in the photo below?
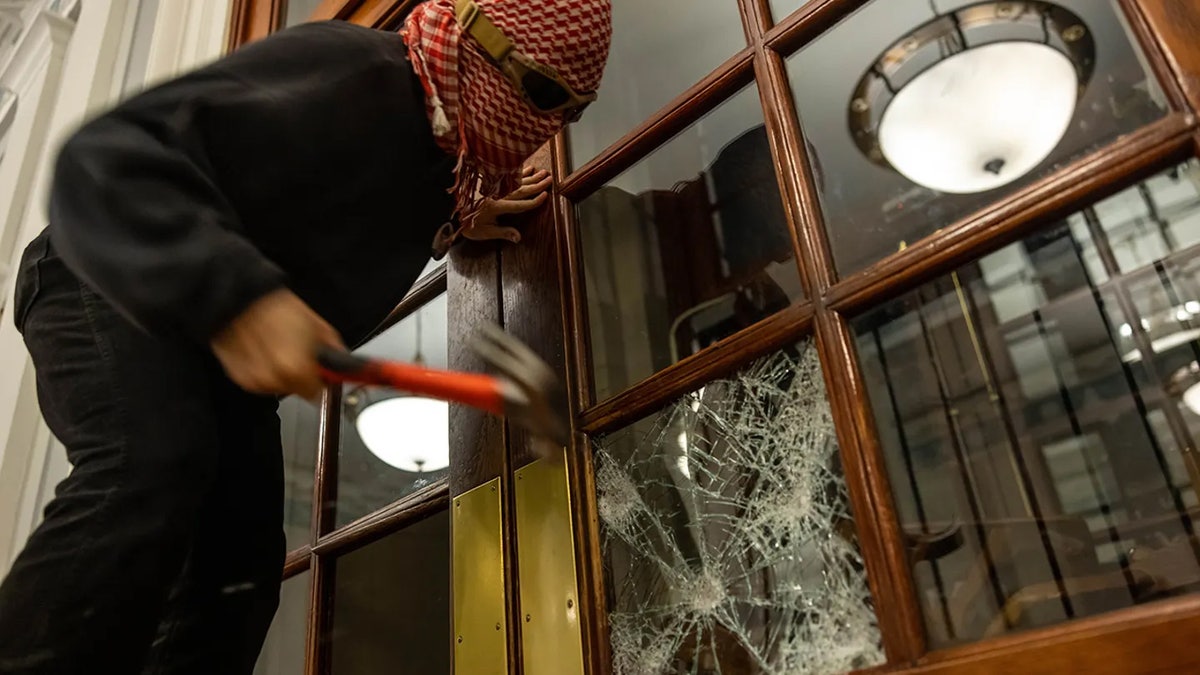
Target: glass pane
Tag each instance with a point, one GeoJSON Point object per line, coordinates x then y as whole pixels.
{"type": "Point", "coordinates": [1037, 414]}
{"type": "Point", "coordinates": [780, 9]}
{"type": "Point", "coordinates": [686, 247]}
{"type": "Point", "coordinates": [910, 140]}
{"type": "Point", "coordinates": [298, 11]}
{"type": "Point", "coordinates": [726, 532]}
{"type": "Point", "coordinates": [300, 430]}
{"type": "Point", "coordinates": [283, 651]}
{"type": "Point", "coordinates": [659, 49]}
{"type": "Point", "coordinates": [391, 605]}
{"type": "Point", "coordinates": [393, 444]}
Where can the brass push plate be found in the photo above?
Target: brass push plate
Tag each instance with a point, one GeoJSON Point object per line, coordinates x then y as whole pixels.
{"type": "Point", "coordinates": [551, 643]}
{"type": "Point", "coordinates": [477, 561]}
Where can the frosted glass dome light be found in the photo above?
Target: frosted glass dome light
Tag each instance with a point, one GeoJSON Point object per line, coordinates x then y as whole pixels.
{"type": "Point", "coordinates": [408, 432]}
{"type": "Point", "coordinates": [981, 118]}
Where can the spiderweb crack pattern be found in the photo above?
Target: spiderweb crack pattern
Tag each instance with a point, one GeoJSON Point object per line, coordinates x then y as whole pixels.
{"type": "Point", "coordinates": [727, 536]}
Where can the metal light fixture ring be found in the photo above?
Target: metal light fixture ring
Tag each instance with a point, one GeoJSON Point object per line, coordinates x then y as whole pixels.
{"type": "Point", "coordinates": [951, 34]}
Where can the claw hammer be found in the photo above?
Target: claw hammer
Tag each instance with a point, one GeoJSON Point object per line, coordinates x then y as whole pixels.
{"type": "Point", "coordinates": [525, 390]}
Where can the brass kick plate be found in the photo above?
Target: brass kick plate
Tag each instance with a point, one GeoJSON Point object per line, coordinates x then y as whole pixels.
{"type": "Point", "coordinates": [551, 643]}
{"type": "Point", "coordinates": [477, 562]}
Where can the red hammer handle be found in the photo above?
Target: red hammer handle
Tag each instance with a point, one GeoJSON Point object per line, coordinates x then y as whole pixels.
{"type": "Point", "coordinates": [478, 391]}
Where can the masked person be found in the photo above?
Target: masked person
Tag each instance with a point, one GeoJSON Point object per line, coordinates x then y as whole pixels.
{"type": "Point", "coordinates": [206, 239]}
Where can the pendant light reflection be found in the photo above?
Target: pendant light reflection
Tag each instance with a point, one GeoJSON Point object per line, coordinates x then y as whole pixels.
{"type": "Point", "coordinates": [1185, 384]}
{"type": "Point", "coordinates": [410, 433]}
{"type": "Point", "coordinates": [974, 98]}
{"type": "Point", "coordinates": [1166, 331]}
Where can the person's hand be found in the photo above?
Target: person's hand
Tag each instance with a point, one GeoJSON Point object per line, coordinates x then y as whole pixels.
{"type": "Point", "coordinates": [532, 193]}
{"type": "Point", "coordinates": [271, 347]}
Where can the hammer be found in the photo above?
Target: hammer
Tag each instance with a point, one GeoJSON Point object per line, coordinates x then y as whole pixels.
{"type": "Point", "coordinates": [525, 390]}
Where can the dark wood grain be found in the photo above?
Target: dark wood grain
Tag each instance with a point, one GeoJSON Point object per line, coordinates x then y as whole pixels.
{"type": "Point", "coordinates": [1154, 638]}
{"type": "Point", "coordinates": [766, 336]}
{"type": "Point", "coordinates": [688, 107]}
{"type": "Point", "coordinates": [325, 481]}
{"type": "Point", "coordinates": [296, 562]}
{"type": "Point", "coordinates": [532, 303]}
{"type": "Point", "coordinates": [807, 23]}
{"type": "Point", "coordinates": [1091, 178]}
{"type": "Point", "coordinates": [589, 561]}
{"type": "Point", "coordinates": [756, 19]}
{"type": "Point", "coordinates": [473, 297]}
{"type": "Point", "coordinates": [391, 518]}
{"type": "Point", "coordinates": [251, 20]}
{"type": "Point", "coordinates": [1168, 29]}
{"type": "Point", "coordinates": [317, 659]}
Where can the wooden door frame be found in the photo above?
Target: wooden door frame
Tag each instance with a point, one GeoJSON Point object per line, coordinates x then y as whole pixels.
{"type": "Point", "coordinates": [538, 287]}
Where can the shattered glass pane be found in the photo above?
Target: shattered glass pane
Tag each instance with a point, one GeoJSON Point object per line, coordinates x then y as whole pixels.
{"type": "Point", "coordinates": [727, 534]}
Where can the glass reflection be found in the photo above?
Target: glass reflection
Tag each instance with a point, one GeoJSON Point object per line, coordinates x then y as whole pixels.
{"type": "Point", "coordinates": [393, 444]}
{"type": "Point", "coordinates": [299, 429]}
{"type": "Point", "coordinates": [659, 49]}
{"type": "Point", "coordinates": [391, 604]}
{"type": "Point", "coordinates": [298, 11]}
{"type": "Point", "coordinates": [931, 111]}
{"type": "Point", "coordinates": [283, 651]}
{"type": "Point", "coordinates": [686, 247]}
{"type": "Point", "coordinates": [1040, 447]}
{"type": "Point", "coordinates": [780, 9]}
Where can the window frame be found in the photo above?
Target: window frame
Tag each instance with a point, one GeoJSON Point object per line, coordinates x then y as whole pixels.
{"type": "Point", "coordinates": [485, 287]}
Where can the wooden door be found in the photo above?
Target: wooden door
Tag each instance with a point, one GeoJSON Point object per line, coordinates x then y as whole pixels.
{"type": "Point", "coordinates": [828, 418]}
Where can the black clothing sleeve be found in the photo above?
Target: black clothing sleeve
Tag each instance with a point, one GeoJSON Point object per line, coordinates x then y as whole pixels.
{"type": "Point", "coordinates": [281, 164]}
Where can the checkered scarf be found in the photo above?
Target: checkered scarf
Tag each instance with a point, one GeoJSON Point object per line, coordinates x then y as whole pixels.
{"type": "Point", "coordinates": [475, 111]}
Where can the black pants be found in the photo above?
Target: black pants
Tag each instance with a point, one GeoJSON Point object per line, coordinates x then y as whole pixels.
{"type": "Point", "coordinates": [162, 551]}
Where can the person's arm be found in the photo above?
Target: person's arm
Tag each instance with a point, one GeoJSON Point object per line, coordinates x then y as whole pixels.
{"type": "Point", "coordinates": [135, 217]}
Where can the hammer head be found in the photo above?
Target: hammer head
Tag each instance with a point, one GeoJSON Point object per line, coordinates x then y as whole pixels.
{"type": "Point", "coordinates": [533, 396]}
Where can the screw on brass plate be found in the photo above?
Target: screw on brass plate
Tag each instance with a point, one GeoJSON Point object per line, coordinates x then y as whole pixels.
{"type": "Point", "coordinates": [497, 626]}
{"type": "Point", "coordinates": [458, 502]}
{"type": "Point", "coordinates": [1073, 33]}
{"type": "Point", "coordinates": [460, 639]}
{"type": "Point", "coordinates": [493, 488]}
{"type": "Point", "coordinates": [528, 618]}
{"type": "Point", "coordinates": [570, 603]}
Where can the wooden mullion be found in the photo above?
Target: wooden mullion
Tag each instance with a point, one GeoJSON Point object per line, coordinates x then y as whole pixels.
{"type": "Point", "coordinates": [1093, 177]}
{"type": "Point", "coordinates": [756, 20]}
{"type": "Point", "coordinates": [1152, 47]}
{"type": "Point", "coordinates": [1157, 637]}
{"type": "Point", "coordinates": [296, 562]}
{"type": "Point", "coordinates": [808, 23]}
{"type": "Point", "coordinates": [388, 520]}
{"type": "Point", "coordinates": [317, 659]}
{"type": "Point", "coordinates": [880, 539]}
{"type": "Point", "coordinates": [425, 290]}
{"type": "Point", "coordinates": [727, 356]}
{"type": "Point", "coordinates": [577, 376]}
{"type": "Point", "coordinates": [325, 473]}
{"type": "Point", "coordinates": [1167, 31]}
{"type": "Point", "coordinates": [680, 113]}
{"type": "Point", "coordinates": [251, 20]}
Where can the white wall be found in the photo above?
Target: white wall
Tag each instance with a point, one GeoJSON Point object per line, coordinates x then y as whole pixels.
{"type": "Point", "coordinates": [75, 58]}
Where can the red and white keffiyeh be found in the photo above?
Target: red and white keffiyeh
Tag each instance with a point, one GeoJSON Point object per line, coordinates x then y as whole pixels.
{"type": "Point", "coordinates": [476, 112]}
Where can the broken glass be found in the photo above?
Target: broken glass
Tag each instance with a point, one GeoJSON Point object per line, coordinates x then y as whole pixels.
{"type": "Point", "coordinates": [727, 535]}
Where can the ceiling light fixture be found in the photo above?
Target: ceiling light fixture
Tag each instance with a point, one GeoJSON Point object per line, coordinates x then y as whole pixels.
{"type": "Point", "coordinates": [410, 433]}
{"type": "Point", "coordinates": [975, 98]}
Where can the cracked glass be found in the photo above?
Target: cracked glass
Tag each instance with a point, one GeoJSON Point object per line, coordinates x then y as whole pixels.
{"type": "Point", "coordinates": [727, 536]}
{"type": "Point", "coordinates": [1038, 410]}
